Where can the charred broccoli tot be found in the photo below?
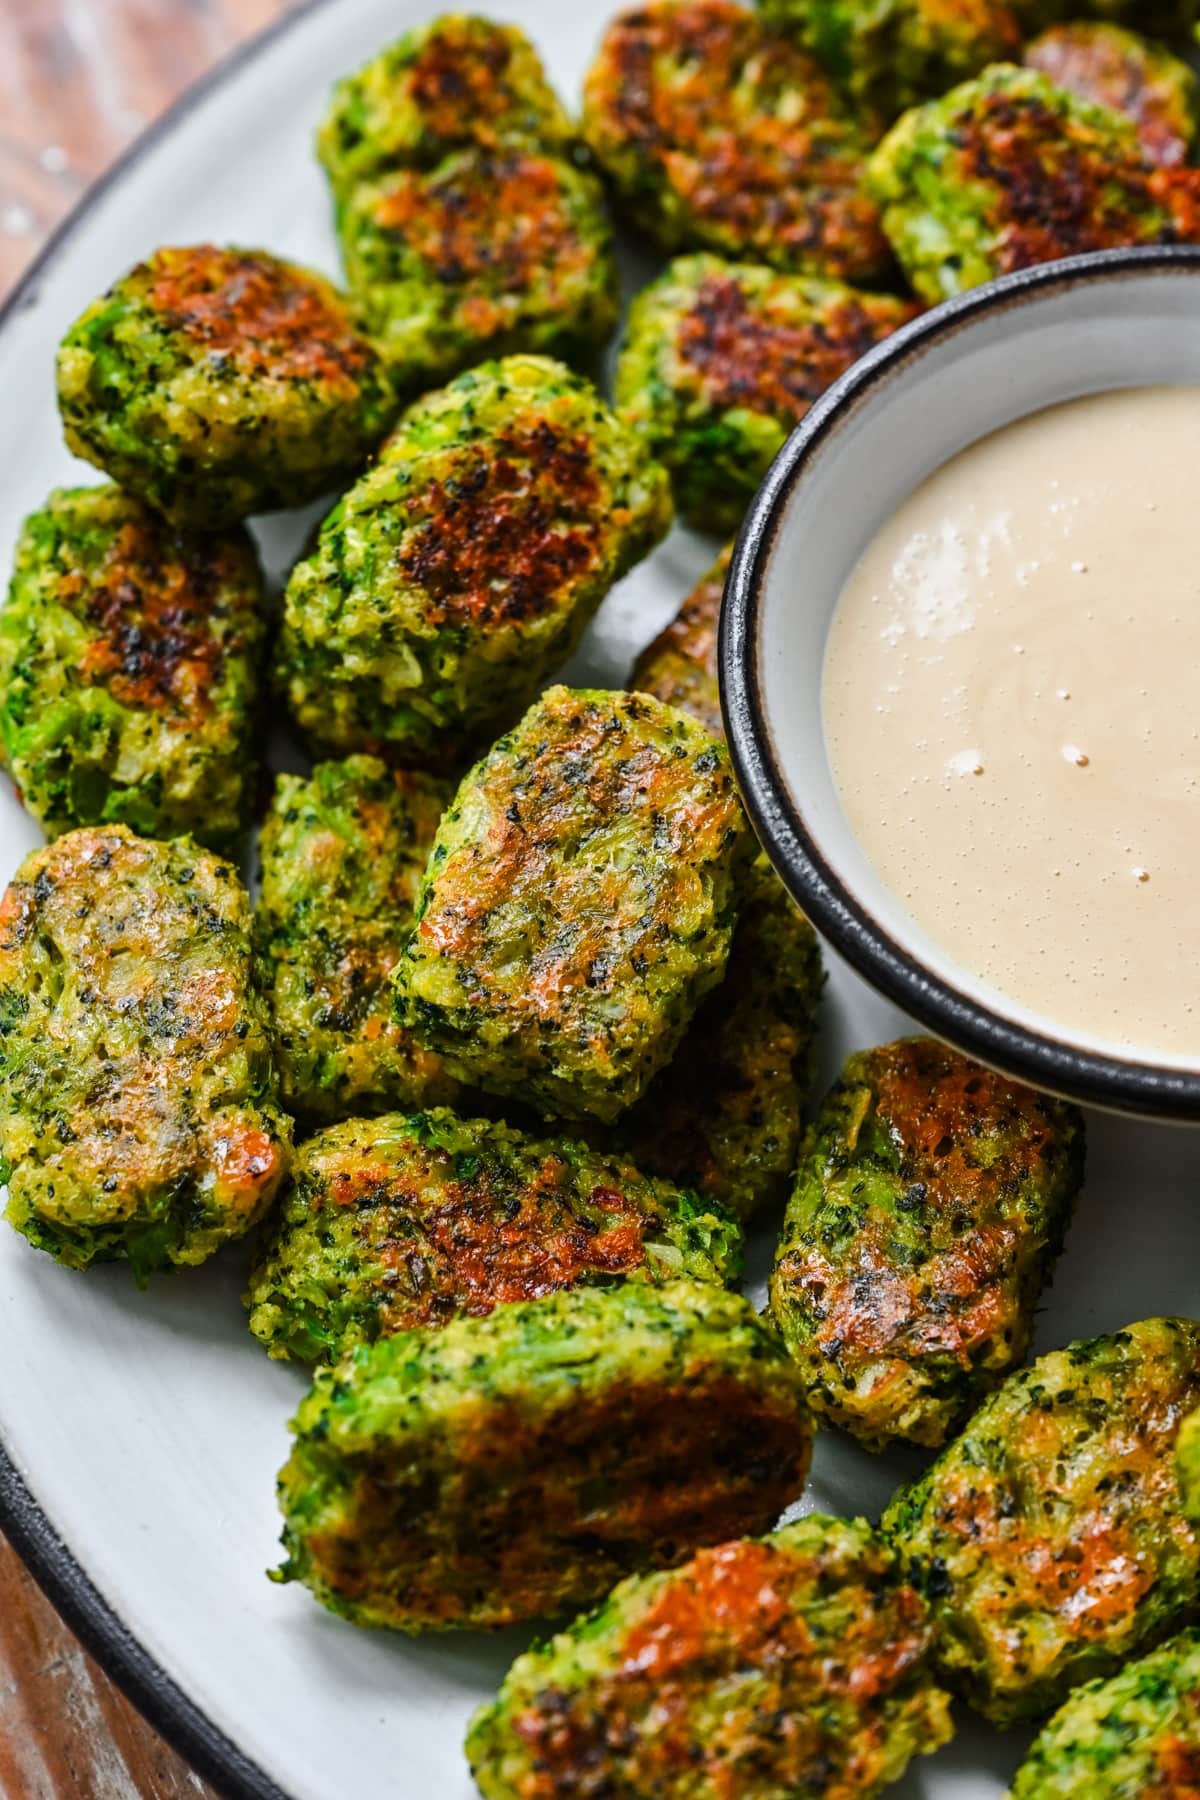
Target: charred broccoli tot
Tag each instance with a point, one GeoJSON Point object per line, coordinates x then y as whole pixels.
{"type": "Point", "coordinates": [464, 565]}
{"type": "Point", "coordinates": [578, 905]}
{"type": "Point", "coordinates": [1133, 76]}
{"type": "Point", "coordinates": [930, 1203]}
{"type": "Point", "coordinates": [342, 857]}
{"type": "Point", "coordinates": [490, 252]}
{"type": "Point", "coordinates": [1049, 1538]}
{"type": "Point", "coordinates": [137, 1095]}
{"type": "Point", "coordinates": [468, 226]}
{"type": "Point", "coordinates": [721, 360]}
{"type": "Point", "coordinates": [680, 666]}
{"type": "Point", "coordinates": [891, 54]}
{"type": "Point", "coordinates": [414, 1220]}
{"type": "Point", "coordinates": [725, 1115]}
{"type": "Point", "coordinates": [1008, 171]}
{"type": "Point", "coordinates": [217, 383]}
{"type": "Point", "coordinates": [765, 1669]}
{"type": "Point", "coordinates": [129, 665]}
{"type": "Point", "coordinates": [716, 135]}
{"type": "Point", "coordinates": [519, 1464]}
{"type": "Point", "coordinates": [458, 81]}
{"type": "Point", "coordinates": [1135, 1736]}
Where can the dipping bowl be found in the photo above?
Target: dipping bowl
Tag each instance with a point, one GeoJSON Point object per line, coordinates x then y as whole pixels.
{"type": "Point", "coordinates": [1120, 319]}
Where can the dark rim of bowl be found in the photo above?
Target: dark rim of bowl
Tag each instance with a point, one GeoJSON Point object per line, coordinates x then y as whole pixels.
{"type": "Point", "coordinates": [1042, 1060]}
{"type": "Point", "coordinates": [95, 1621]}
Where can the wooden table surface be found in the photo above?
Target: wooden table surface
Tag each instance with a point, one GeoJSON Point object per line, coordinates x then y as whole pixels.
{"type": "Point", "coordinates": [78, 80]}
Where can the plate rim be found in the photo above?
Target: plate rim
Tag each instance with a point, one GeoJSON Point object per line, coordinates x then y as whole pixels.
{"type": "Point", "coordinates": [121, 1655]}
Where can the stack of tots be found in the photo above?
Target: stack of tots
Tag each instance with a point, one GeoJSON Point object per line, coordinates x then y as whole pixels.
{"type": "Point", "coordinates": [519, 1039]}
{"type": "Point", "coordinates": [469, 222]}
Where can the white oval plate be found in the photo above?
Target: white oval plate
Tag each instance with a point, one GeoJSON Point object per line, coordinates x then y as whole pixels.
{"type": "Point", "coordinates": [141, 1432]}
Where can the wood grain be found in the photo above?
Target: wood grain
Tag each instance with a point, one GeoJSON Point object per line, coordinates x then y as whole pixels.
{"type": "Point", "coordinates": [78, 80]}
{"type": "Point", "coordinates": [65, 1731]}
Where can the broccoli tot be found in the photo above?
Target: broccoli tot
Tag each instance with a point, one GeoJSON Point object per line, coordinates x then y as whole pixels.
{"type": "Point", "coordinates": [680, 666]}
{"type": "Point", "coordinates": [930, 1203]}
{"type": "Point", "coordinates": [342, 857]}
{"type": "Point", "coordinates": [518, 1464]}
{"type": "Point", "coordinates": [721, 360]}
{"type": "Point", "coordinates": [725, 1115]}
{"type": "Point", "coordinates": [468, 227]}
{"type": "Point", "coordinates": [218, 383]}
{"type": "Point", "coordinates": [578, 905]}
{"type": "Point", "coordinates": [765, 1669]}
{"type": "Point", "coordinates": [1049, 1537]}
{"type": "Point", "coordinates": [488, 253]}
{"type": "Point", "coordinates": [129, 670]}
{"type": "Point", "coordinates": [1117, 68]}
{"type": "Point", "coordinates": [137, 1095]}
{"type": "Point", "coordinates": [414, 1220]}
{"type": "Point", "coordinates": [890, 54]}
{"type": "Point", "coordinates": [464, 565]}
{"type": "Point", "coordinates": [1135, 1736]}
{"type": "Point", "coordinates": [1010, 170]}
{"type": "Point", "coordinates": [1187, 1466]}
{"type": "Point", "coordinates": [457, 81]}
{"type": "Point", "coordinates": [716, 135]}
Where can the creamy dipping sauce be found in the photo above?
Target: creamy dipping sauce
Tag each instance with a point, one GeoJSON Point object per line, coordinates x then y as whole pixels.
{"type": "Point", "coordinates": [1012, 709]}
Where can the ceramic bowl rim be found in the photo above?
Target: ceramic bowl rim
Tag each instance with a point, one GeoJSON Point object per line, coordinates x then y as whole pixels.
{"type": "Point", "coordinates": [950, 1011]}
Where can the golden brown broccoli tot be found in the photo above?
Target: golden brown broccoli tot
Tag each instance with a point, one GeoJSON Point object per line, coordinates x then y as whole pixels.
{"type": "Point", "coordinates": [1128, 73]}
{"type": "Point", "coordinates": [1049, 1538]}
{"type": "Point", "coordinates": [721, 360]}
{"type": "Point", "coordinates": [342, 856]}
{"type": "Point", "coordinates": [928, 1209]}
{"type": "Point", "coordinates": [137, 1093]}
{"type": "Point", "coordinates": [215, 383]}
{"type": "Point", "coordinates": [515, 1465]}
{"type": "Point", "coordinates": [456, 82]}
{"type": "Point", "coordinates": [889, 54]}
{"type": "Point", "coordinates": [579, 904]}
{"type": "Point", "coordinates": [415, 1219]}
{"type": "Point", "coordinates": [1009, 171]}
{"type": "Point", "coordinates": [129, 670]}
{"type": "Point", "coordinates": [764, 1669]}
{"type": "Point", "coordinates": [462, 568]}
{"type": "Point", "coordinates": [716, 135]}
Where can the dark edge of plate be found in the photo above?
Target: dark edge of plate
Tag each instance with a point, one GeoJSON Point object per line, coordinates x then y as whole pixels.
{"type": "Point", "coordinates": [49, 1560]}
